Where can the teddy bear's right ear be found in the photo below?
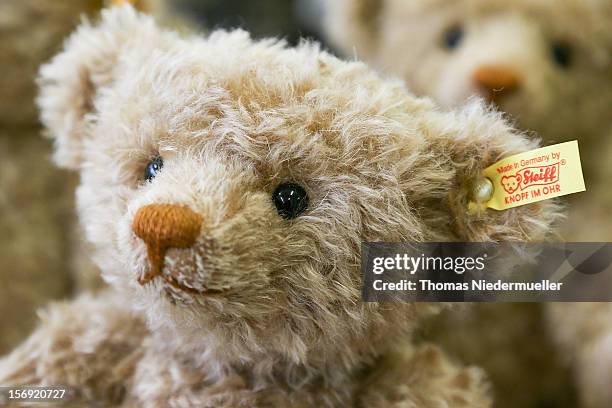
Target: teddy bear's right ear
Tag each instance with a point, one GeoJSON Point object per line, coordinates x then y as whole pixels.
{"type": "Point", "coordinates": [460, 145]}
{"type": "Point", "coordinates": [352, 25]}
{"type": "Point", "coordinates": [70, 82]}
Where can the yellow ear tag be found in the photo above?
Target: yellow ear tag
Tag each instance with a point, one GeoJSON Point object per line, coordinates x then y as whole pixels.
{"type": "Point", "coordinates": [536, 175]}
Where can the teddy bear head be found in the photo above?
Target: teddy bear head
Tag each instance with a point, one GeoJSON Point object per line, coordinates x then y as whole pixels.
{"type": "Point", "coordinates": [227, 184]}
{"type": "Point", "coordinates": [548, 64]}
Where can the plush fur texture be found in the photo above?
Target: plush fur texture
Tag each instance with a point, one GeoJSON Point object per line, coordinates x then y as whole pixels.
{"type": "Point", "coordinates": [265, 311]}
{"type": "Point", "coordinates": [558, 103]}
{"type": "Point", "coordinates": [107, 356]}
{"type": "Point", "coordinates": [509, 40]}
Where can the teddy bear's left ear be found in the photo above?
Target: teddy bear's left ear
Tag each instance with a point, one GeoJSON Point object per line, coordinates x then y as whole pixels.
{"type": "Point", "coordinates": [460, 146]}
{"type": "Point", "coordinates": [70, 82]}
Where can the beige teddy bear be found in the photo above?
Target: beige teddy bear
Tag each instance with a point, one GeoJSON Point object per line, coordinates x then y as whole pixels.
{"type": "Point", "coordinates": [226, 187]}
{"type": "Point", "coordinates": [548, 65]}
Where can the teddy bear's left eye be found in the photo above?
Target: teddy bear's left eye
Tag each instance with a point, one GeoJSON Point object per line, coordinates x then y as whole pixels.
{"type": "Point", "coordinates": [153, 168]}
{"type": "Point", "coordinates": [562, 54]}
{"type": "Point", "coordinates": [453, 36]}
{"type": "Point", "coordinates": [290, 200]}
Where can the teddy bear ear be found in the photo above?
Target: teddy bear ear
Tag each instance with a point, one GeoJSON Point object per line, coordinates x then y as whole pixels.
{"type": "Point", "coordinates": [352, 25]}
{"type": "Point", "coordinates": [70, 82]}
{"type": "Point", "coordinates": [461, 145]}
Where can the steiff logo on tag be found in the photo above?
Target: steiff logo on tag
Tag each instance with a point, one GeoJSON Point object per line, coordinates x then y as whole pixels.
{"type": "Point", "coordinates": [531, 176]}
{"type": "Point", "coordinates": [540, 174]}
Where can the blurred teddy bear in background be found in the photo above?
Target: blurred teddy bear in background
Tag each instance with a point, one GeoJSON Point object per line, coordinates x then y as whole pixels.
{"type": "Point", "coordinates": [548, 65]}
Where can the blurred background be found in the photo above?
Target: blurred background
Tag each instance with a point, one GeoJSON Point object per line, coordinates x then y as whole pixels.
{"type": "Point", "coordinates": [290, 19]}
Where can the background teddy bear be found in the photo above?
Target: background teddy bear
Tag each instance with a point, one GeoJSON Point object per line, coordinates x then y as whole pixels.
{"type": "Point", "coordinates": [226, 187]}
{"type": "Point", "coordinates": [549, 66]}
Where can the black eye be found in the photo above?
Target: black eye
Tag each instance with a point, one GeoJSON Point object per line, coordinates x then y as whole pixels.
{"type": "Point", "coordinates": [562, 54]}
{"type": "Point", "coordinates": [290, 200]}
{"type": "Point", "coordinates": [153, 168]}
{"type": "Point", "coordinates": [452, 37]}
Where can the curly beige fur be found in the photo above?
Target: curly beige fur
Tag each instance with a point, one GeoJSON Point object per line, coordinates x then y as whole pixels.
{"type": "Point", "coordinates": [232, 119]}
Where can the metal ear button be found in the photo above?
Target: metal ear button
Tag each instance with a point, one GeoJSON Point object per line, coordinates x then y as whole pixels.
{"type": "Point", "coordinates": [481, 192]}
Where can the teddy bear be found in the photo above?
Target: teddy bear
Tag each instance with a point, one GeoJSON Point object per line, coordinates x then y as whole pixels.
{"type": "Point", "coordinates": [548, 66]}
{"type": "Point", "coordinates": [226, 186]}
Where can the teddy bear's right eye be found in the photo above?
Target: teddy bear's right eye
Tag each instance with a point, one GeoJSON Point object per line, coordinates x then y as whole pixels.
{"type": "Point", "coordinates": [290, 200]}
{"type": "Point", "coordinates": [153, 168]}
{"type": "Point", "coordinates": [453, 36]}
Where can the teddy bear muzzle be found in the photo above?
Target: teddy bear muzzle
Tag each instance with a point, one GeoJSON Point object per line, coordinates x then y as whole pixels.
{"type": "Point", "coordinates": [161, 227]}
{"type": "Point", "coordinates": [496, 82]}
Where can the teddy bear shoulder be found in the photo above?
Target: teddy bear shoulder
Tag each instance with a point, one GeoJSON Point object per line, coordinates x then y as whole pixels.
{"type": "Point", "coordinates": [91, 345]}
{"type": "Point", "coordinates": [424, 376]}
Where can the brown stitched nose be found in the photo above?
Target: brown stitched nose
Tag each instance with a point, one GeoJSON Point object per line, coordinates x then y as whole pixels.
{"type": "Point", "coordinates": [164, 226]}
{"type": "Point", "coordinates": [496, 81]}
